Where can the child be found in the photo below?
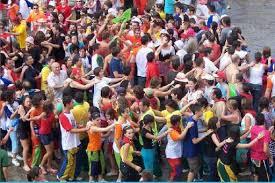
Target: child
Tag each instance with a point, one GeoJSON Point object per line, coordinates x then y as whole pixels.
{"type": "Point", "coordinates": [129, 170]}
{"type": "Point", "coordinates": [94, 152]}
{"type": "Point", "coordinates": [46, 118]}
{"type": "Point", "coordinates": [69, 140]}
{"type": "Point", "coordinates": [173, 148]}
{"type": "Point", "coordinates": [228, 153]}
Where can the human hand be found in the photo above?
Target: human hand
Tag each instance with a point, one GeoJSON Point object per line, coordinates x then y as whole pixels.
{"type": "Point", "coordinates": [189, 124]}
{"type": "Point", "coordinates": [260, 135]}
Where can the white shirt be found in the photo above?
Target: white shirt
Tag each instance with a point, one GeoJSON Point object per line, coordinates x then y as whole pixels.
{"type": "Point", "coordinates": [256, 74]}
{"type": "Point", "coordinates": [141, 61]}
{"type": "Point", "coordinates": [173, 148]}
{"type": "Point", "coordinates": [225, 61]}
{"type": "Point", "coordinates": [181, 53]}
{"type": "Point", "coordinates": [94, 62]}
{"type": "Point", "coordinates": [69, 140]}
{"type": "Point", "coordinates": [97, 90]}
{"type": "Point", "coordinates": [209, 66]}
{"type": "Point", "coordinates": [57, 80]}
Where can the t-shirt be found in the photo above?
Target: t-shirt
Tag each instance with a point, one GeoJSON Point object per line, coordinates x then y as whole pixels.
{"type": "Point", "coordinates": [271, 84]}
{"type": "Point", "coordinates": [257, 150]}
{"type": "Point", "coordinates": [81, 115]}
{"type": "Point", "coordinates": [210, 147]}
{"type": "Point", "coordinates": [97, 90]}
{"type": "Point", "coordinates": [191, 150]}
{"type": "Point", "coordinates": [115, 66]}
{"type": "Point", "coordinates": [68, 140]}
{"type": "Point", "coordinates": [174, 145]}
{"type": "Point", "coordinates": [44, 76]}
{"type": "Point", "coordinates": [147, 143]}
{"type": "Point", "coordinates": [209, 66]}
{"type": "Point", "coordinates": [57, 80]}
{"type": "Point", "coordinates": [4, 162]}
{"type": "Point", "coordinates": [152, 71]}
{"type": "Point", "coordinates": [94, 141]}
{"type": "Point", "coordinates": [21, 29]}
{"type": "Point", "coordinates": [66, 10]}
{"type": "Point", "coordinates": [46, 124]}
{"type": "Point", "coordinates": [228, 153]}
{"type": "Point", "coordinates": [141, 61]}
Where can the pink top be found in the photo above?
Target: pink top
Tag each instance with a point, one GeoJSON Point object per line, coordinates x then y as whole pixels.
{"type": "Point", "coordinates": [257, 150]}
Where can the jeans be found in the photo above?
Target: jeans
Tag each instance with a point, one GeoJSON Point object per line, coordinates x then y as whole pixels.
{"type": "Point", "coordinates": [256, 91]}
{"type": "Point", "coordinates": [212, 167]}
{"type": "Point", "coordinates": [81, 158]}
{"type": "Point", "coordinates": [141, 81]}
{"type": "Point", "coordinates": [14, 141]}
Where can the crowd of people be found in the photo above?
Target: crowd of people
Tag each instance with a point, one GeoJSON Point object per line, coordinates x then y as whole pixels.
{"type": "Point", "coordinates": [126, 88]}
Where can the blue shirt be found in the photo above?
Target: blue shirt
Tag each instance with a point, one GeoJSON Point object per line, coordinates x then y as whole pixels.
{"type": "Point", "coordinates": [116, 65]}
{"type": "Point", "coordinates": [191, 150]}
{"type": "Point", "coordinates": [223, 90]}
{"type": "Point", "coordinates": [169, 7]}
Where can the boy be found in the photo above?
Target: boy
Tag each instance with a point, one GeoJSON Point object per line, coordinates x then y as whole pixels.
{"type": "Point", "coordinates": [190, 143]}
{"type": "Point", "coordinates": [70, 140]}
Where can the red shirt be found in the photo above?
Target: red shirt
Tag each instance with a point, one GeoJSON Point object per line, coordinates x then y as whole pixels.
{"type": "Point", "coordinates": [46, 124]}
{"type": "Point", "coordinates": [152, 70]}
{"type": "Point", "coordinates": [216, 52]}
{"type": "Point", "coordinates": [65, 10]}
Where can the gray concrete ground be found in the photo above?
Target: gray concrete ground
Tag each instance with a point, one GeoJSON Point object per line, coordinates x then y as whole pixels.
{"type": "Point", "coordinates": [254, 17]}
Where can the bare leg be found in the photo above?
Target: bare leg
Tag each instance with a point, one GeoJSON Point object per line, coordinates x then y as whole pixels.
{"type": "Point", "coordinates": [26, 146]}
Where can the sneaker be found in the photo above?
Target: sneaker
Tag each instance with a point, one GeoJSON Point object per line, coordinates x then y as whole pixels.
{"type": "Point", "coordinates": [79, 178]}
{"type": "Point", "coordinates": [118, 180]}
{"type": "Point", "coordinates": [109, 174]}
{"type": "Point", "coordinates": [19, 158]}
{"type": "Point", "coordinates": [185, 170]}
{"type": "Point", "coordinates": [205, 173]}
{"type": "Point", "coordinates": [228, 7]}
{"type": "Point", "coordinates": [15, 162]}
{"type": "Point", "coordinates": [245, 173]}
{"type": "Point", "coordinates": [10, 155]}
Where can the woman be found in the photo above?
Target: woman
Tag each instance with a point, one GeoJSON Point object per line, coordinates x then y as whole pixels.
{"type": "Point", "coordinates": [29, 73]}
{"type": "Point", "coordinates": [106, 102]}
{"type": "Point", "coordinates": [234, 115]}
{"type": "Point", "coordinates": [260, 153]}
{"type": "Point", "coordinates": [225, 163]}
{"type": "Point", "coordinates": [194, 92]}
{"type": "Point", "coordinates": [129, 170]}
{"type": "Point", "coordinates": [148, 150]}
{"type": "Point", "coordinates": [256, 74]}
{"type": "Point", "coordinates": [46, 120]}
{"type": "Point", "coordinates": [24, 131]}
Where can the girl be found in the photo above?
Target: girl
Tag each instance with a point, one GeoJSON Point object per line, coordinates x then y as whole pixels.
{"type": "Point", "coordinates": [228, 152]}
{"type": "Point", "coordinates": [173, 148]}
{"type": "Point", "coordinates": [148, 150]}
{"type": "Point", "coordinates": [94, 151]}
{"type": "Point", "coordinates": [46, 121]}
{"type": "Point", "coordinates": [129, 170]}
{"type": "Point", "coordinates": [260, 153]}
{"type": "Point", "coordinates": [23, 130]}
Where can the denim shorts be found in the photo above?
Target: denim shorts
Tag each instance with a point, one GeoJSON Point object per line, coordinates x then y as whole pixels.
{"type": "Point", "coordinates": [46, 139]}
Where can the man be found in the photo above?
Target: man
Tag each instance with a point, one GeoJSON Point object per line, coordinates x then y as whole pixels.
{"type": "Point", "coordinates": [226, 24]}
{"type": "Point", "coordinates": [64, 9]}
{"type": "Point", "coordinates": [56, 80]}
{"type": "Point", "coordinates": [141, 60]}
{"type": "Point", "coordinates": [35, 14]}
{"type": "Point", "coordinates": [20, 31]}
{"type": "Point", "coordinates": [102, 81]}
{"type": "Point", "coordinates": [69, 141]}
{"type": "Point", "coordinates": [80, 112]}
{"type": "Point", "coordinates": [209, 66]}
{"type": "Point", "coordinates": [116, 66]}
{"type": "Point", "coordinates": [45, 72]}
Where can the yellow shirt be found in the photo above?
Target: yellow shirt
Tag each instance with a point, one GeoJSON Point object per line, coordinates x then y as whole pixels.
{"type": "Point", "coordinates": [207, 114]}
{"type": "Point", "coordinates": [130, 152]}
{"type": "Point", "coordinates": [168, 115]}
{"type": "Point", "coordinates": [44, 75]}
{"type": "Point", "coordinates": [21, 29]}
{"type": "Point", "coordinates": [155, 127]}
{"type": "Point", "coordinates": [81, 116]}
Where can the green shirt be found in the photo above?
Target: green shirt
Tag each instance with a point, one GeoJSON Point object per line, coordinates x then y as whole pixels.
{"type": "Point", "coordinates": [4, 162]}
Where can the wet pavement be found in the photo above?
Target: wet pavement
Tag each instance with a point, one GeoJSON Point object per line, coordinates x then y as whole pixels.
{"type": "Point", "coordinates": [254, 17]}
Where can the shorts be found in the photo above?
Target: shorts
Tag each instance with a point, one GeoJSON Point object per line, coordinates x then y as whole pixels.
{"type": "Point", "coordinates": [96, 163]}
{"type": "Point", "coordinates": [46, 139]}
{"type": "Point", "coordinates": [194, 164]}
{"type": "Point", "coordinates": [23, 131]}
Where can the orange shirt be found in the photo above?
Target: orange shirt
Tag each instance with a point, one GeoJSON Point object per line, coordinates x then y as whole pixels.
{"type": "Point", "coordinates": [175, 135]}
{"type": "Point", "coordinates": [118, 131]}
{"type": "Point", "coordinates": [36, 112]}
{"type": "Point", "coordinates": [94, 141]}
{"type": "Point", "coordinates": [33, 17]}
{"type": "Point", "coordinates": [13, 11]}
